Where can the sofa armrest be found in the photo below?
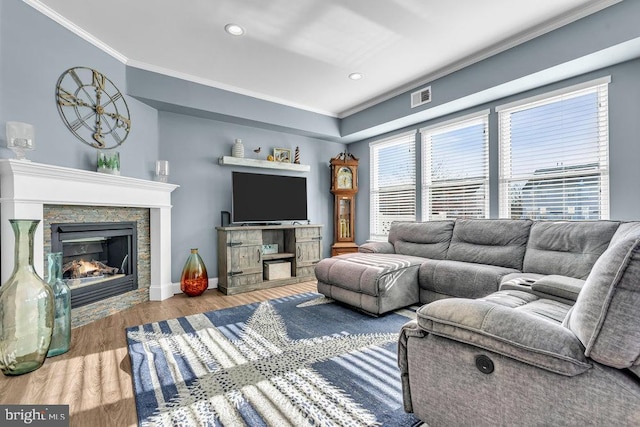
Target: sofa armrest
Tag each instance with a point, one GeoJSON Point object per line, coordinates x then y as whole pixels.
{"type": "Point", "coordinates": [564, 287]}
{"type": "Point", "coordinates": [409, 329]}
{"type": "Point", "coordinates": [507, 331]}
{"type": "Point", "coordinates": [377, 248]}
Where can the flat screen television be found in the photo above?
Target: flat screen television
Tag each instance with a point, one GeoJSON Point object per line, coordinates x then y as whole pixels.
{"type": "Point", "coordinates": [262, 198]}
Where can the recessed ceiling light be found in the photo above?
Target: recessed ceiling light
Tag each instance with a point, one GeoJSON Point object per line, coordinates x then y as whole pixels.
{"type": "Point", "coordinates": [234, 29]}
{"type": "Point", "coordinates": [355, 76]}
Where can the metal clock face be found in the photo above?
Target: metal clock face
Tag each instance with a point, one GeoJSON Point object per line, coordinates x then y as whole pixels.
{"type": "Point", "coordinates": [93, 108]}
{"type": "Point", "coordinates": [345, 178]}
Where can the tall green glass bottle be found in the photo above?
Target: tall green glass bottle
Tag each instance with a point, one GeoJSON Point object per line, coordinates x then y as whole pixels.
{"type": "Point", "coordinates": [26, 308]}
{"type": "Point", "coordinates": [61, 339]}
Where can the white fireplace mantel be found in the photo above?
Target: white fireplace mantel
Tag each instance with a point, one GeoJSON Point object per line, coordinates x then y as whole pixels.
{"type": "Point", "coordinates": [25, 187]}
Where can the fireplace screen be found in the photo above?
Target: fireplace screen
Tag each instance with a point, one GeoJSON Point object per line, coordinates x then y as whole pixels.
{"type": "Point", "coordinates": [98, 259]}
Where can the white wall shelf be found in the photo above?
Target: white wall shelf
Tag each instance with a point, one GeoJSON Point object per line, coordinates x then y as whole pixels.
{"type": "Point", "coordinates": [255, 163]}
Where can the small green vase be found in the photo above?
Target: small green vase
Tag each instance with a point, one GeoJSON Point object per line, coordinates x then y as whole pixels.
{"type": "Point", "coordinates": [26, 308]}
{"type": "Point", "coordinates": [61, 339]}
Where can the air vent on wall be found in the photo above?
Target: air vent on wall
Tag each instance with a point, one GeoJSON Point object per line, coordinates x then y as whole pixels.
{"type": "Point", "coordinates": [421, 97]}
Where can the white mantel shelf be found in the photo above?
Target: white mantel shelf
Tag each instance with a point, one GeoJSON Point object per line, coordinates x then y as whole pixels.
{"type": "Point", "coordinates": [25, 187]}
{"type": "Point", "coordinates": [266, 164]}
{"type": "Point", "coordinates": [61, 185]}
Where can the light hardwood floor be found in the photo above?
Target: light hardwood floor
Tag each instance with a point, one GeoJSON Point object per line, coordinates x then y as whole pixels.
{"type": "Point", "coordinates": [94, 377]}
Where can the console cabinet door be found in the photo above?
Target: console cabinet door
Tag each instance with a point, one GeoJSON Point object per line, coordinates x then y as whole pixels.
{"type": "Point", "coordinates": [308, 251]}
{"type": "Point", "coordinates": [243, 258]}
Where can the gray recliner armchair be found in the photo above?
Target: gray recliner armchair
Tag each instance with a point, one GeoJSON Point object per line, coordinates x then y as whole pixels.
{"type": "Point", "coordinates": [516, 358]}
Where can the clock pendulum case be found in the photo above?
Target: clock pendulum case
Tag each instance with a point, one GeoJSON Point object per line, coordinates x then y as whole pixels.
{"type": "Point", "coordinates": [93, 108]}
{"type": "Point", "coordinates": [344, 186]}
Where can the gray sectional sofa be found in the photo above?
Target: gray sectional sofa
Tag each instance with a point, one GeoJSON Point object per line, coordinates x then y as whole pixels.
{"type": "Point", "coordinates": [525, 322]}
{"type": "Point", "coordinates": [426, 261]}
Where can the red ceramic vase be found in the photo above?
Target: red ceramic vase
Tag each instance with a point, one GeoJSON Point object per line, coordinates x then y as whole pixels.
{"type": "Point", "coordinates": [194, 280]}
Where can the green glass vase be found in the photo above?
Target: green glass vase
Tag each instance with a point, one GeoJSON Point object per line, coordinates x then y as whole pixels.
{"type": "Point", "coordinates": [194, 280]}
{"type": "Point", "coordinates": [61, 338]}
{"type": "Point", "coordinates": [26, 308]}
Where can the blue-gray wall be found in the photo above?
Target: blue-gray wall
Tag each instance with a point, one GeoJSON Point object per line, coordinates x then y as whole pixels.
{"type": "Point", "coordinates": [195, 99]}
{"type": "Point", "coordinates": [193, 145]}
{"type": "Point", "coordinates": [34, 52]}
{"type": "Point", "coordinates": [624, 144]}
{"type": "Point", "coordinates": [606, 43]}
{"type": "Point", "coordinates": [192, 125]}
{"type": "Point", "coordinates": [606, 38]}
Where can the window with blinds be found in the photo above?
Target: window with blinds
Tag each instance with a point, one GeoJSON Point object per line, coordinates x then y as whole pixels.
{"type": "Point", "coordinates": [455, 168]}
{"type": "Point", "coordinates": [554, 155]}
{"type": "Point", "coordinates": [393, 183]}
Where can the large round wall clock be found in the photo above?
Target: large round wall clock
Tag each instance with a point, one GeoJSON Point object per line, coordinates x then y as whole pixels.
{"type": "Point", "coordinates": [92, 107]}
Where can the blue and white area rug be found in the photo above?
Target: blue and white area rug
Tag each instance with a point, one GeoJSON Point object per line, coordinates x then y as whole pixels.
{"type": "Point", "coordinates": [300, 360]}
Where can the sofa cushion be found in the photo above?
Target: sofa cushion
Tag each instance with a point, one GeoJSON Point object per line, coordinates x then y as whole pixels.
{"type": "Point", "coordinates": [370, 274]}
{"type": "Point", "coordinates": [606, 315]}
{"type": "Point", "coordinates": [461, 279]}
{"type": "Point", "coordinates": [500, 242]}
{"type": "Point", "coordinates": [424, 239]}
{"type": "Point", "coordinates": [625, 229]}
{"type": "Point", "coordinates": [567, 248]}
{"type": "Point", "coordinates": [512, 323]}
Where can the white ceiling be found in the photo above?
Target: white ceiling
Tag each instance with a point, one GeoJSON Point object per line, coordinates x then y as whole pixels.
{"type": "Point", "coordinates": [300, 52]}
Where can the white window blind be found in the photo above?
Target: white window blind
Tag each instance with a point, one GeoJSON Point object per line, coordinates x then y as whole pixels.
{"type": "Point", "coordinates": [393, 183]}
{"type": "Point", "coordinates": [455, 169]}
{"type": "Point", "coordinates": [554, 155]}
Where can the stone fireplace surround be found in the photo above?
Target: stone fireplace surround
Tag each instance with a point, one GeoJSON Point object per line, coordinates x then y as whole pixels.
{"type": "Point", "coordinates": [107, 304]}
{"type": "Point", "coordinates": [26, 187]}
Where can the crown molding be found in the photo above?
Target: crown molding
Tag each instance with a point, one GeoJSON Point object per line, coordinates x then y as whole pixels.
{"type": "Point", "coordinates": [229, 88]}
{"type": "Point", "coordinates": [514, 41]}
{"type": "Point", "coordinates": [47, 11]}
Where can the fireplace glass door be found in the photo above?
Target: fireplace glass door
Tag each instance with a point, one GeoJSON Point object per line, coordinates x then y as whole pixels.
{"type": "Point", "coordinates": [98, 259]}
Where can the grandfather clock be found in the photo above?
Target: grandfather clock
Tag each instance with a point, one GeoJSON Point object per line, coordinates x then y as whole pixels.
{"type": "Point", "coordinates": [344, 186]}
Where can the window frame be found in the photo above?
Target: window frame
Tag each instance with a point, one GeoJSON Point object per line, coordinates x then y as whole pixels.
{"type": "Point", "coordinates": [410, 139]}
{"type": "Point", "coordinates": [601, 167]}
{"type": "Point", "coordinates": [426, 179]}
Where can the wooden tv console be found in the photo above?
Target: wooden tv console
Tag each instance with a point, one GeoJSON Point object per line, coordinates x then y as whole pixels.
{"type": "Point", "coordinates": [242, 265]}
